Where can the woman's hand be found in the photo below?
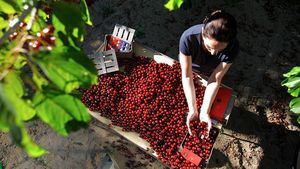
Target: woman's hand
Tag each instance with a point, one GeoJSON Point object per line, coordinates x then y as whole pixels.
{"type": "Point", "coordinates": [190, 117]}
{"type": "Point", "coordinates": [204, 117]}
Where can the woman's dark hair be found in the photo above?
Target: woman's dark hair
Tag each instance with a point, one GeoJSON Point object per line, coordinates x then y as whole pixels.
{"type": "Point", "coordinates": [220, 26]}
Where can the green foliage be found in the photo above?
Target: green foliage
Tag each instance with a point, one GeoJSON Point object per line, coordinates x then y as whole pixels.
{"type": "Point", "coordinates": [64, 71]}
{"type": "Point", "coordinates": [65, 19]}
{"type": "Point", "coordinates": [57, 109]}
{"type": "Point", "coordinates": [295, 105]}
{"type": "Point", "coordinates": [42, 83]}
{"type": "Point", "coordinates": [7, 7]}
{"type": "Point", "coordinates": [85, 13]}
{"type": "Point", "coordinates": [292, 82]}
{"type": "Point", "coordinates": [23, 139]}
{"type": "Point", "coordinates": [14, 111]}
{"type": "Point", "coordinates": [6, 118]}
{"type": "Point", "coordinates": [294, 72]}
{"type": "Point", "coordinates": [3, 23]}
{"type": "Point", "coordinates": [173, 4]}
{"type": "Point", "coordinates": [12, 92]}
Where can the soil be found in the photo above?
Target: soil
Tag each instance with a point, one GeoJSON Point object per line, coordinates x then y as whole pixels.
{"type": "Point", "coordinates": [261, 132]}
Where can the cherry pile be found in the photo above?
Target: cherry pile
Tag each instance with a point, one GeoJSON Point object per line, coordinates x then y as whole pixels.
{"type": "Point", "coordinates": [148, 98]}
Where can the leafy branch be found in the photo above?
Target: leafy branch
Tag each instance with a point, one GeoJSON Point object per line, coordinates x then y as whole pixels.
{"type": "Point", "coordinates": [42, 66]}
{"type": "Point", "coordinates": [292, 82]}
{"type": "Point", "coordinates": [16, 23]}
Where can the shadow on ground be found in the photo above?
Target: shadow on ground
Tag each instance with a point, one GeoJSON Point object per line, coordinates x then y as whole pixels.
{"type": "Point", "coordinates": [280, 146]}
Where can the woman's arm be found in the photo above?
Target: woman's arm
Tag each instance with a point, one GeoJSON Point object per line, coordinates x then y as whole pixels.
{"type": "Point", "coordinates": [188, 87]}
{"type": "Point", "coordinates": [211, 91]}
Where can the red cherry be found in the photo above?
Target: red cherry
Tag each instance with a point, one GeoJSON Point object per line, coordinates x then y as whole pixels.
{"type": "Point", "coordinates": [22, 25]}
{"type": "Point", "coordinates": [49, 39]}
{"type": "Point", "coordinates": [35, 45]}
{"type": "Point", "coordinates": [49, 30]}
{"type": "Point", "coordinates": [39, 35]}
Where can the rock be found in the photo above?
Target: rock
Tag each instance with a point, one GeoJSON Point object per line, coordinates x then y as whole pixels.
{"type": "Point", "coordinates": [271, 74]}
{"type": "Point", "coordinates": [263, 102]}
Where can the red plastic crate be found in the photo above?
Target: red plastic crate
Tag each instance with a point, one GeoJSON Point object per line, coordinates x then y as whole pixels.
{"type": "Point", "coordinates": [220, 104]}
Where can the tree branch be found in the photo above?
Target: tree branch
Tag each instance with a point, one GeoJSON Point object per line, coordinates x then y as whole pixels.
{"type": "Point", "coordinates": [15, 26]}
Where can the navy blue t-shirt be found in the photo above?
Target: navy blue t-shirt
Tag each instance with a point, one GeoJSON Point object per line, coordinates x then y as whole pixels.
{"type": "Point", "coordinates": [190, 44]}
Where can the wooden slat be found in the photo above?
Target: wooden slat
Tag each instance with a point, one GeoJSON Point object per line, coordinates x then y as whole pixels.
{"type": "Point", "coordinates": [131, 136]}
{"type": "Point", "coordinates": [124, 33]}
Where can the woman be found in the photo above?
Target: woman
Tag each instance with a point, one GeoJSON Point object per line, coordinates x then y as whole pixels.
{"type": "Point", "coordinates": [207, 48]}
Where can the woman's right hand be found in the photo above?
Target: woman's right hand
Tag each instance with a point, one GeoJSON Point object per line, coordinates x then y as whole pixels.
{"type": "Point", "coordinates": [190, 117]}
{"type": "Point", "coordinates": [188, 87]}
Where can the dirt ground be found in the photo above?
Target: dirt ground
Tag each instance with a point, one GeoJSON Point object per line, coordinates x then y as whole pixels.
{"type": "Point", "coordinates": [260, 133]}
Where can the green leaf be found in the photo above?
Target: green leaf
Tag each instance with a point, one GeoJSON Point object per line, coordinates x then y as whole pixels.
{"type": "Point", "coordinates": [63, 38]}
{"type": "Point", "coordinates": [21, 137]}
{"type": "Point", "coordinates": [42, 15]}
{"type": "Point", "coordinates": [298, 119]}
{"type": "Point", "coordinates": [64, 71]}
{"type": "Point", "coordinates": [3, 23]}
{"type": "Point", "coordinates": [51, 112]}
{"type": "Point", "coordinates": [295, 105]}
{"type": "Point", "coordinates": [294, 72]}
{"type": "Point", "coordinates": [85, 13]}
{"type": "Point", "coordinates": [20, 62]}
{"type": "Point", "coordinates": [59, 32]}
{"type": "Point", "coordinates": [39, 23]}
{"type": "Point", "coordinates": [58, 24]}
{"type": "Point", "coordinates": [73, 106]}
{"type": "Point", "coordinates": [58, 109]}
{"type": "Point", "coordinates": [294, 91]}
{"type": "Point", "coordinates": [16, 4]}
{"type": "Point", "coordinates": [173, 4]}
{"type": "Point", "coordinates": [39, 80]}
{"type": "Point", "coordinates": [81, 58]}
{"type": "Point", "coordinates": [64, 79]}
{"type": "Point", "coordinates": [67, 19]}
{"type": "Point", "coordinates": [291, 82]}
{"type": "Point", "coordinates": [13, 81]}
{"type": "Point", "coordinates": [11, 121]}
{"type": "Point", "coordinates": [6, 7]}
{"type": "Point", "coordinates": [6, 118]}
{"type": "Point", "coordinates": [11, 92]}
